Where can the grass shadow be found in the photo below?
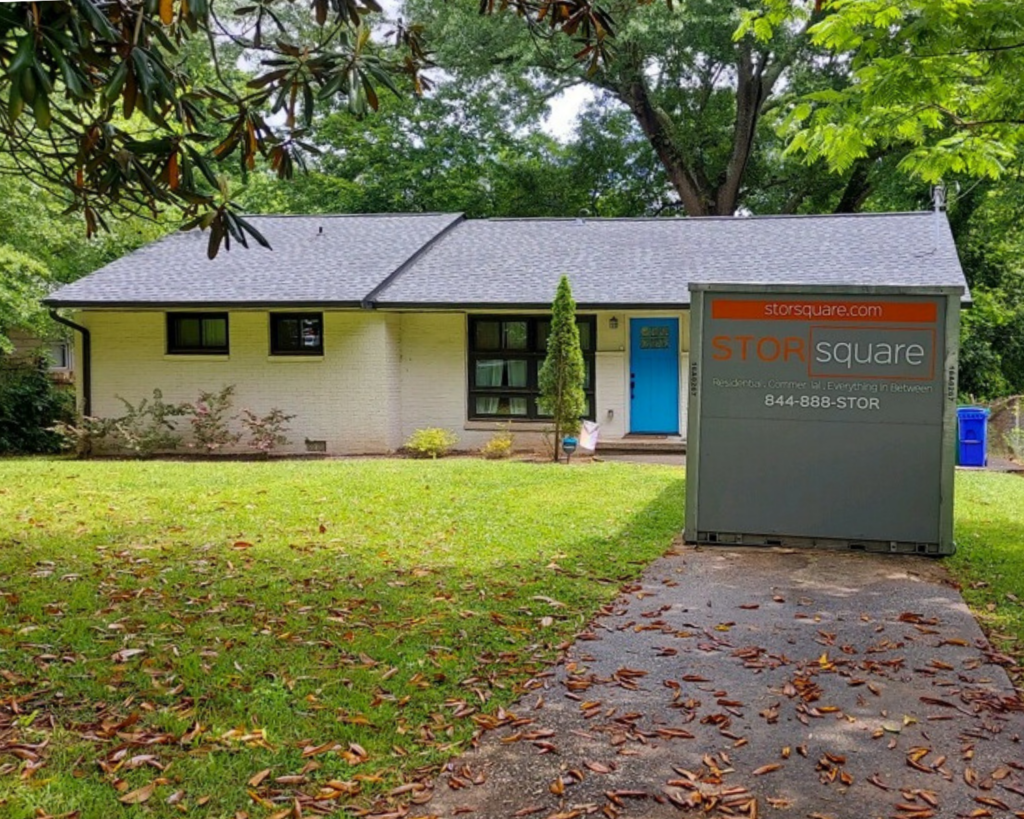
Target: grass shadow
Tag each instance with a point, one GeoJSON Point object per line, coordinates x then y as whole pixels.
{"type": "Point", "coordinates": [241, 616]}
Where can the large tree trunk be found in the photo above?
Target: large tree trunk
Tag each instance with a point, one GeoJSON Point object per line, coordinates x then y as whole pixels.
{"type": "Point", "coordinates": [756, 76]}
{"type": "Point", "coordinates": [748, 112]}
{"type": "Point", "coordinates": [701, 197]}
{"type": "Point", "coordinates": [657, 129]}
{"type": "Point", "coordinates": [858, 187]}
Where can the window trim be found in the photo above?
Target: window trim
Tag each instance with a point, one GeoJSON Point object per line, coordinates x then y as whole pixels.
{"type": "Point", "coordinates": [535, 358]}
{"type": "Point", "coordinates": [66, 364]}
{"type": "Point", "coordinates": [315, 352]}
{"type": "Point", "coordinates": [172, 318]}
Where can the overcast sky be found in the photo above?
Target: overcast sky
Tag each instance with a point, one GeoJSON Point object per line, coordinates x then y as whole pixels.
{"type": "Point", "coordinates": [565, 108]}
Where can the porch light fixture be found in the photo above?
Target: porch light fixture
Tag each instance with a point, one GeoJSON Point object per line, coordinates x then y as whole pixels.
{"type": "Point", "coordinates": [569, 446]}
{"type": "Point", "coordinates": [613, 323]}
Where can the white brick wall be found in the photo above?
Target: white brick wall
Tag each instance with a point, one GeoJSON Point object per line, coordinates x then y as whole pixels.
{"type": "Point", "coordinates": [382, 376]}
{"type": "Point", "coordinates": [433, 375]}
{"type": "Point", "coordinates": [341, 399]}
{"type": "Point", "coordinates": [393, 372]}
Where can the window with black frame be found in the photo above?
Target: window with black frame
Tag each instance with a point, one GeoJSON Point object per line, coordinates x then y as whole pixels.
{"type": "Point", "coordinates": [296, 334]}
{"type": "Point", "coordinates": [197, 333]}
{"type": "Point", "coordinates": [505, 355]}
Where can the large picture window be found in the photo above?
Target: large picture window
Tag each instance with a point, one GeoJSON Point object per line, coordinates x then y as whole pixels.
{"type": "Point", "coordinates": [505, 355]}
{"type": "Point", "coordinates": [296, 334]}
{"type": "Point", "coordinates": [197, 333]}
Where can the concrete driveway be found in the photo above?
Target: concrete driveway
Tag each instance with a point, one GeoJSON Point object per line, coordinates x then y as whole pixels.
{"type": "Point", "coordinates": [761, 683]}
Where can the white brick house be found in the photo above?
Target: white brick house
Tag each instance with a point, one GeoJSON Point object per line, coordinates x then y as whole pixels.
{"type": "Point", "coordinates": [369, 327]}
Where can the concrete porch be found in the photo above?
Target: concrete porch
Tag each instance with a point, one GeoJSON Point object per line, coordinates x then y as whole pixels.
{"type": "Point", "coordinates": [642, 445]}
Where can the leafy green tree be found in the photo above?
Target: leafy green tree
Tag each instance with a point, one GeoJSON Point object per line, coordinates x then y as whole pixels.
{"type": "Point", "coordinates": [41, 247]}
{"type": "Point", "coordinates": [988, 223]}
{"type": "Point", "coordinates": [23, 281]}
{"type": "Point", "coordinates": [562, 374]}
{"type": "Point", "coordinates": [463, 149]}
{"type": "Point", "coordinates": [706, 102]}
{"type": "Point", "coordinates": [109, 105]}
{"type": "Point", "coordinates": [938, 78]}
{"type": "Point", "coordinates": [33, 222]}
{"type": "Point", "coordinates": [981, 362]}
{"type": "Point", "coordinates": [30, 404]}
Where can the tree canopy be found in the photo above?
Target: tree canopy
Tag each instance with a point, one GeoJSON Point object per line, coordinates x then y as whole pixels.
{"type": "Point", "coordinates": [42, 248]}
{"type": "Point", "coordinates": [708, 102]}
{"type": "Point", "coordinates": [104, 107]}
{"type": "Point", "coordinates": [144, 115]}
{"type": "Point", "coordinates": [23, 281]}
{"type": "Point", "coordinates": [941, 78]}
{"type": "Point", "coordinates": [462, 149]}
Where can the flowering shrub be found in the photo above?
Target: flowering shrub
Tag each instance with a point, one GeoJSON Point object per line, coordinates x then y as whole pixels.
{"type": "Point", "coordinates": [209, 418]}
{"type": "Point", "coordinates": [146, 428]}
{"type": "Point", "coordinates": [265, 432]}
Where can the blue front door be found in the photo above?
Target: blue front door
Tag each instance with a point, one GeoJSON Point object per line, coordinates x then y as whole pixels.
{"type": "Point", "coordinates": [654, 375]}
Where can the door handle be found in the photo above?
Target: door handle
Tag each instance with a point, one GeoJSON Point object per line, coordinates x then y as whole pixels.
{"type": "Point", "coordinates": [632, 386]}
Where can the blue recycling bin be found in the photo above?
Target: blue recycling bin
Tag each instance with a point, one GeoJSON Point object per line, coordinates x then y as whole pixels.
{"type": "Point", "coordinates": [972, 424]}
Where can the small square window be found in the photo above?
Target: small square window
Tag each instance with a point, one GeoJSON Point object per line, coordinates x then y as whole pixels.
{"type": "Point", "coordinates": [296, 334]}
{"type": "Point", "coordinates": [197, 333]}
{"type": "Point", "coordinates": [488, 335]}
{"type": "Point", "coordinates": [515, 335]}
{"type": "Point", "coordinates": [586, 329]}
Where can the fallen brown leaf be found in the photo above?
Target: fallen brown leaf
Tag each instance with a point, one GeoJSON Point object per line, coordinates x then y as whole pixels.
{"type": "Point", "coordinates": [139, 795]}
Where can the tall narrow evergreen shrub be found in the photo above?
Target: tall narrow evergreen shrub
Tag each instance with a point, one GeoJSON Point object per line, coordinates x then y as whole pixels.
{"type": "Point", "coordinates": [562, 375]}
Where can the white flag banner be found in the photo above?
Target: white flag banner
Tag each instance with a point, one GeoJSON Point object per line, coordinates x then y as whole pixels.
{"type": "Point", "coordinates": [588, 435]}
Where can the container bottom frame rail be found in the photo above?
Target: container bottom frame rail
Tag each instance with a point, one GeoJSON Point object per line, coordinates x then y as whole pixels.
{"type": "Point", "coordinates": [745, 539]}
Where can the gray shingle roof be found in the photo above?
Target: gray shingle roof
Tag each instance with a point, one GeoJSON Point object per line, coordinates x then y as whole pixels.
{"type": "Point", "coordinates": [441, 261]}
{"type": "Point", "coordinates": [352, 257]}
{"type": "Point", "coordinates": [651, 261]}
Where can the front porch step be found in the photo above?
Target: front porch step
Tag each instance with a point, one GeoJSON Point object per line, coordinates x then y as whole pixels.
{"type": "Point", "coordinates": [640, 444]}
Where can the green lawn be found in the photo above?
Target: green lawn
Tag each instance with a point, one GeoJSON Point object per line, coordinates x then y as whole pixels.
{"type": "Point", "coordinates": [223, 639]}
{"type": "Point", "coordinates": [989, 562]}
{"type": "Point", "coordinates": [209, 638]}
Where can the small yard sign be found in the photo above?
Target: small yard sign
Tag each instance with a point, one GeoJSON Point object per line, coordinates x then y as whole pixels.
{"type": "Point", "coordinates": [823, 416]}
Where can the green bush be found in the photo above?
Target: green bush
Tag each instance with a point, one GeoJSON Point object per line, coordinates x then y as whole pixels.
{"type": "Point", "coordinates": [500, 445]}
{"type": "Point", "coordinates": [266, 432]}
{"type": "Point", "coordinates": [84, 434]}
{"type": "Point", "coordinates": [146, 428]}
{"type": "Point", "coordinates": [209, 418]}
{"type": "Point", "coordinates": [432, 442]}
{"type": "Point", "coordinates": [30, 405]}
{"type": "Point", "coordinates": [150, 427]}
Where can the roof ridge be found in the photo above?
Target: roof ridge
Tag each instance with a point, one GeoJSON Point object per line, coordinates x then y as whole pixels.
{"type": "Point", "coordinates": [349, 215]}
{"type": "Point", "coordinates": [368, 301]}
{"type": "Point", "coordinates": [680, 219]}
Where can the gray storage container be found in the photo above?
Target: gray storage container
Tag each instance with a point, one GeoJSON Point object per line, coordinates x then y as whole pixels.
{"type": "Point", "coordinates": [823, 416]}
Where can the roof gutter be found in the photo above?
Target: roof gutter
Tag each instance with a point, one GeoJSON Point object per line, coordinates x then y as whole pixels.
{"type": "Point", "coordinates": [86, 359]}
{"type": "Point", "coordinates": [370, 300]}
{"type": "Point", "coordinates": [196, 305]}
